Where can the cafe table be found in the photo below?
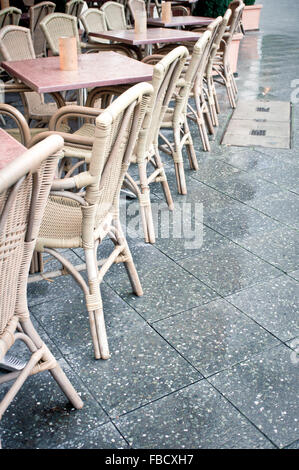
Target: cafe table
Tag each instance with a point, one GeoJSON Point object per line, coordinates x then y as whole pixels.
{"type": "Point", "coordinates": [94, 70]}
{"type": "Point", "coordinates": [180, 21]}
{"type": "Point", "coordinates": [10, 149]}
{"type": "Point", "coordinates": [149, 37]}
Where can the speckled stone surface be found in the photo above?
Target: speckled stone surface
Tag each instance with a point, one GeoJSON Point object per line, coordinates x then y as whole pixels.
{"type": "Point", "coordinates": [215, 336]}
{"type": "Point", "coordinates": [103, 437]}
{"type": "Point", "coordinates": [224, 311]}
{"type": "Point", "coordinates": [265, 389]}
{"type": "Point", "coordinates": [142, 368]}
{"type": "Point", "coordinates": [163, 294]}
{"type": "Point", "coordinates": [195, 417]}
{"type": "Point", "coordinates": [41, 416]}
{"type": "Point", "coordinates": [273, 304]}
{"type": "Point", "coordinates": [228, 268]}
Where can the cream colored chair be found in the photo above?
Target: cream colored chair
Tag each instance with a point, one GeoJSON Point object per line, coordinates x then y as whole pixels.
{"type": "Point", "coordinates": [24, 187]}
{"type": "Point", "coordinates": [83, 208]}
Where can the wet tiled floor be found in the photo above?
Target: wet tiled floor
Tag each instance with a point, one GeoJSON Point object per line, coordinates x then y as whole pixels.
{"type": "Point", "coordinates": [207, 357]}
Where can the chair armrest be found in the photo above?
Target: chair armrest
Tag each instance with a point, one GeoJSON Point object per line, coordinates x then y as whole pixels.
{"type": "Point", "coordinates": [152, 59]}
{"type": "Point", "coordinates": [79, 141]}
{"type": "Point", "coordinates": [72, 111]}
{"type": "Point", "coordinates": [74, 182]}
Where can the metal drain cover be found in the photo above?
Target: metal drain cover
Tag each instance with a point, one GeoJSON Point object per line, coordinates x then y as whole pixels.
{"type": "Point", "coordinates": [260, 123]}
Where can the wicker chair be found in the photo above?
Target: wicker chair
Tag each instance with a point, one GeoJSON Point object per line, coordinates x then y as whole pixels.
{"type": "Point", "coordinates": [94, 20]}
{"type": "Point", "coordinates": [37, 13]}
{"type": "Point", "coordinates": [115, 15]}
{"type": "Point", "coordinates": [175, 117]}
{"type": "Point", "coordinates": [209, 79]}
{"type": "Point", "coordinates": [10, 16]}
{"type": "Point", "coordinates": [24, 189]}
{"type": "Point", "coordinates": [179, 10]}
{"type": "Point", "coordinates": [201, 114]}
{"type": "Point", "coordinates": [16, 44]}
{"type": "Point", "coordinates": [59, 24]}
{"type": "Point", "coordinates": [84, 219]}
{"type": "Point", "coordinates": [222, 60]}
{"type": "Point", "coordinates": [74, 8]}
{"type": "Point", "coordinates": [136, 5]}
{"type": "Point", "coordinates": [165, 79]}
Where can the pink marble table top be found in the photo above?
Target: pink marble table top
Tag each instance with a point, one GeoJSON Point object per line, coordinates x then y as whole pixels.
{"type": "Point", "coordinates": [151, 36]}
{"type": "Point", "coordinates": [177, 21]}
{"type": "Point", "coordinates": [100, 69]}
{"type": "Point", "coordinates": [10, 148]}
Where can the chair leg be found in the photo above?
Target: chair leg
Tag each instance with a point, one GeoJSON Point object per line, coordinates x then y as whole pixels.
{"type": "Point", "coordinates": [128, 260]}
{"type": "Point", "coordinates": [201, 108]}
{"type": "Point", "coordinates": [95, 307]}
{"type": "Point", "coordinates": [207, 116]}
{"type": "Point", "coordinates": [163, 179]}
{"type": "Point", "coordinates": [145, 205]}
{"type": "Point", "coordinates": [178, 162]}
{"type": "Point", "coordinates": [55, 371]}
{"type": "Point", "coordinates": [190, 148]}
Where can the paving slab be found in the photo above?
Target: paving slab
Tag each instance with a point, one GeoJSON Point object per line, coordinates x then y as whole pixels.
{"type": "Point", "coordinates": [197, 417]}
{"type": "Point", "coordinates": [265, 388]}
{"type": "Point", "coordinates": [142, 368]}
{"type": "Point", "coordinates": [103, 437]}
{"type": "Point", "coordinates": [48, 419]}
{"type": "Point", "coordinates": [215, 336]}
{"type": "Point", "coordinates": [228, 268]}
{"type": "Point", "coordinates": [272, 304]}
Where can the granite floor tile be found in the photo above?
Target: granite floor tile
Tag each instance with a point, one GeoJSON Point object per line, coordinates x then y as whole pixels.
{"type": "Point", "coordinates": [197, 417]}
{"type": "Point", "coordinates": [244, 188]}
{"type": "Point", "coordinates": [142, 368]}
{"type": "Point", "coordinates": [278, 247]}
{"type": "Point", "coordinates": [67, 322]}
{"type": "Point", "coordinates": [103, 437]}
{"type": "Point", "coordinates": [295, 445]}
{"type": "Point", "coordinates": [249, 160]}
{"type": "Point", "coordinates": [211, 170]}
{"type": "Point", "coordinates": [273, 304]}
{"type": "Point", "coordinates": [214, 336]}
{"type": "Point", "coordinates": [282, 206]}
{"type": "Point", "coordinates": [45, 290]}
{"type": "Point", "coordinates": [146, 257]}
{"type": "Point", "coordinates": [48, 419]}
{"type": "Point", "coordinates": [294, 274]}
{"type": "Point", "coordinates": [239, 221]}
{"type": "Point", "coordinates": [197, 192]}
{"type": "Point", "coordinates": [265, 389]}
{"type": "Point", "coordinates": [164, 292]}
{"type": "Point", "coordinates": [196, 238]}
{"type": "Point", "coordinates": [286, 177]}
{"type": "Point", "coordinates": [228, 268]}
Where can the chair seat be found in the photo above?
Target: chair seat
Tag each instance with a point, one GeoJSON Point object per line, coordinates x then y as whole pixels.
{"type": "Point", "coordinates": [43, 110]}
{"type": "Point", "coordinates": [61, 225]}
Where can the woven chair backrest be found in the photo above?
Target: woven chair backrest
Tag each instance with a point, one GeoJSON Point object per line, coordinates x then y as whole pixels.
{"type": "Point", "coordinates": [115, 16]}
{"type": "Point", "coordinates": [37, 13]}
{"type": "Point", "coordinates": [74, 7]}
{"type": "Point", "coordinates": [24, 188]}
{"type": "Point", "coordinates": [217, 39]}
{"type": "Point", "coordinates": [117, 129]}
{"type": "Point", "coordinates": [94, 20]}
{"type": "Point", "coordinates": [194, 69]}
{"type": "Point", "coordinates": [10, 15]}
{"type": "Point", "coordinates": [57, 25]}
{"type": "Point", "coordinates": [165, 78]}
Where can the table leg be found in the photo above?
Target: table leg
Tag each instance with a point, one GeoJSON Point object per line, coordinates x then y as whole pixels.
{"type": "Point", "coordinates": [148, 49]}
